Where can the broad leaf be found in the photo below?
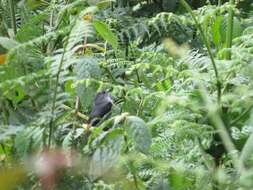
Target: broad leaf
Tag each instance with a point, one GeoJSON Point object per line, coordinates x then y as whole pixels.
{"type": "Point", "coordinates": [107, 154]}
{"type": "Point", "coordinates": [138, 131]}
{"type": "Point", "coordinates": [106, 33]}
{"type": "Point", "coordinates": [85, 68]}
{"type": "Point", "coordinates": [216, 30]}
{"type": "Point", "coordinates": [8, 43]}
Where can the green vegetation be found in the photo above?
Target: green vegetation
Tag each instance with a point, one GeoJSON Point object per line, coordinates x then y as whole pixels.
{"type": "Point", "coordinates": [180, 74]}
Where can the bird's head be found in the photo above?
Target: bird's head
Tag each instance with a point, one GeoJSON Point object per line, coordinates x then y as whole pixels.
{"type": "Point", "coordinates": [103, 96]}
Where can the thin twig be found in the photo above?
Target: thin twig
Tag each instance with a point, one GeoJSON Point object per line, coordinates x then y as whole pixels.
{"type": "Point", "coordinates": [79, 114]}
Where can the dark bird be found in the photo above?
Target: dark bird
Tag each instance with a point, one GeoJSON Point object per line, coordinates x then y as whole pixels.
{"type": "Point", "coordinates": [101, 106]}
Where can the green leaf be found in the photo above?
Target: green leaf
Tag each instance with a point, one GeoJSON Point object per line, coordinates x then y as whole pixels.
{"type": "Point", "coordinates": [34, 4]}
{"type": "Point", "coordinates": [6, 133]}
{"type": "Point", "coordinates": [29, 139]}
{"type": "Point", "coordinates": [107, 154]}
{"type": "Point", "coordinates": [247, 150]}
{"type": "Point", "coordinates": [66, 144]}
{"type": "Point", "coordinates": [138, 131]}
{"type": "Point", "coordinates": [8, 43]}
{"type": "Point", "coordinates": [28, 31]}
{"type": "Point", "coordinates": [106, 33]}
{"type": "Point", "coordinates": [163, 85]}
{"type": "Point", "coordinates": [179, 179]}
{"type": "Point", "coordinates": [17, 94]}
{"type": "Point", "coordinates": [22, 142]}
{"type": "Point", "coordinates": [216, 30]}
{"type": "Point", "coordinates": [72, 135]}
{"type": "Point", "coordinates": [85, 68]}
{"type": "Point", "coordinates": [104, 4]}
{"type": "Point", "coordinates": [237, 30]}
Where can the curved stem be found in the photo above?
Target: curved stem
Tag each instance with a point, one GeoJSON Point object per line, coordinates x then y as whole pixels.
{"type": "Point", "coordinates": [215, 118]}
{"type": "Point", "coordinates": [218, 83]}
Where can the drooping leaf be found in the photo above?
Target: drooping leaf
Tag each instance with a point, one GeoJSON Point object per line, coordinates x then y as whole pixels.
{"type": "Point", "coordinates": [106, 33]}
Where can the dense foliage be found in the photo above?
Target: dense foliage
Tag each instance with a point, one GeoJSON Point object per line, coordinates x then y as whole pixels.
{"type": "Point", "coordinates": [180, 74]}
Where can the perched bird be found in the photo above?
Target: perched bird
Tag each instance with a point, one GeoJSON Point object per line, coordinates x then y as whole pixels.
{"type": "Point", "coordinates": [101, 106]}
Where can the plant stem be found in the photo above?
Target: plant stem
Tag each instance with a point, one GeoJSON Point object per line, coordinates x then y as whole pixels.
{"type": "Point", "coordinates": [51, 24]}
{"type": "Point", "coordinates": [229, 31]}
{"type": "Point", "coordinates": [13, 18]}
{"type": "Point", "coordinates": [246, 152]}
{"type": "Point", "coordinates": [79, 114]}
{"type": "Point", "coordinates": [215, 118]}
{"type": "Point", "coordinates": [219, 2]}
{"type": "Point", "coordinates": [51, 123]}
{"type": "Point", "coordinates": [218, 83]}
{"type": "Point", "coordinates": [225, 137]}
